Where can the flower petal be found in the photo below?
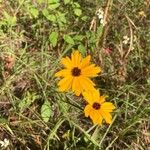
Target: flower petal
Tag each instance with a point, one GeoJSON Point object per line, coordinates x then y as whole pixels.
{"type": "Point", "coordinates": [88, 97]}
{"type": "Point", "coordinates": [102, 99]}
{"type": "Point", "coordinates": [107, 116]}
{"type": "Point", "coordinates": [65, 83]}
{"type": "Point", "coordinates": [108, 107]}
{"type": "Point", "coordinates": [76, 58]}
{"type": "Point", "coordinates": [87, 84]}
{"type": "Point", "coordinates": [90, 71]}
{"type": "Point", "coordinates": [91, 96]}
{"type": "Point", "coordinates": [99, 120]}
{"type": "Point", "coordinates": [87, 110]}
{"type": "Point", "coordinates": [63, 73]}
{"type": "Point", "coordinates": [85, 62]}
{"type": "Point", "coordinates": [67, 62]}
{"type": "Point", "coordinates": [95, 95]}
{"type": "Point", "coordinates": [95, 116]}
{"type": "Point", "coordinates": [76, 87]}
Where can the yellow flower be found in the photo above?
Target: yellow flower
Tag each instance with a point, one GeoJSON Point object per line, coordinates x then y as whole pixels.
{"type": "Point", "coordinates": [76, 74]}
{"type": "Point", "coordinates": [97, 109]}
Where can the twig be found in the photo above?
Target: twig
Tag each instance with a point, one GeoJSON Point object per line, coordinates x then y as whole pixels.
{"type": "Point", "coordinates": [4, 103]}
{"type": "Point", "coordinates": [131, 37]}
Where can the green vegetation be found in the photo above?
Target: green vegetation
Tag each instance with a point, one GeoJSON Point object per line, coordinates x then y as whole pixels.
{"type": "Point", "coordinates": [35, 35]}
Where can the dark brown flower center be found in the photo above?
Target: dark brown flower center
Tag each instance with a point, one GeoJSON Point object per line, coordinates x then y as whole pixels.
{"type": "Point", "coordinates": [96, 106]}
{"type": "Point", "coordinates": [76, 71]}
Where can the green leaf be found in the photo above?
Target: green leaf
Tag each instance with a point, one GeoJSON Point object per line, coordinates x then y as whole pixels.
{"type": "Point", "coordinates": [68, 39]}
{"type": "Point", "coordinates": [48, 16]}
{"type": "Point", "coordinates": [82, 49]}
{"type": "Point", "coordinates": [78, 37]}
{"type": "Point", "coordinates": [53, 1]}
{"type": "Point", "coordinates": [76, 5]}
{"type": "Point", "coordinates": [34, 12]}
{"type": "Point", "coordinates": [53, 38]}
{"type": "Point", "coordinates": [63, 107]}
{"type": "Point", "coordinates": [51, 18]}
{"type": "Point", "coordinates": [67, 1]}
{"type": "Point", "coordinates": [45, 12]}
{"type": "Point", "coordinates": [53, 6]}
{"type": "Point", "coordinates": [61, 17]}
{"type": "Point", "coordinates": [77, 12]}
{"type": "Point", "coordinates": [40, 1]}
{"type": "Point", "coordinates": [148, 81]}
{"type": "Point", "coordinates": [46, 111]}
{"type": "Point", "coordinates": [11, 20]}
{"type": "Point", "coordinates": [27, 101]}
{"type": "Point", "coordinates": [84, 18]}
